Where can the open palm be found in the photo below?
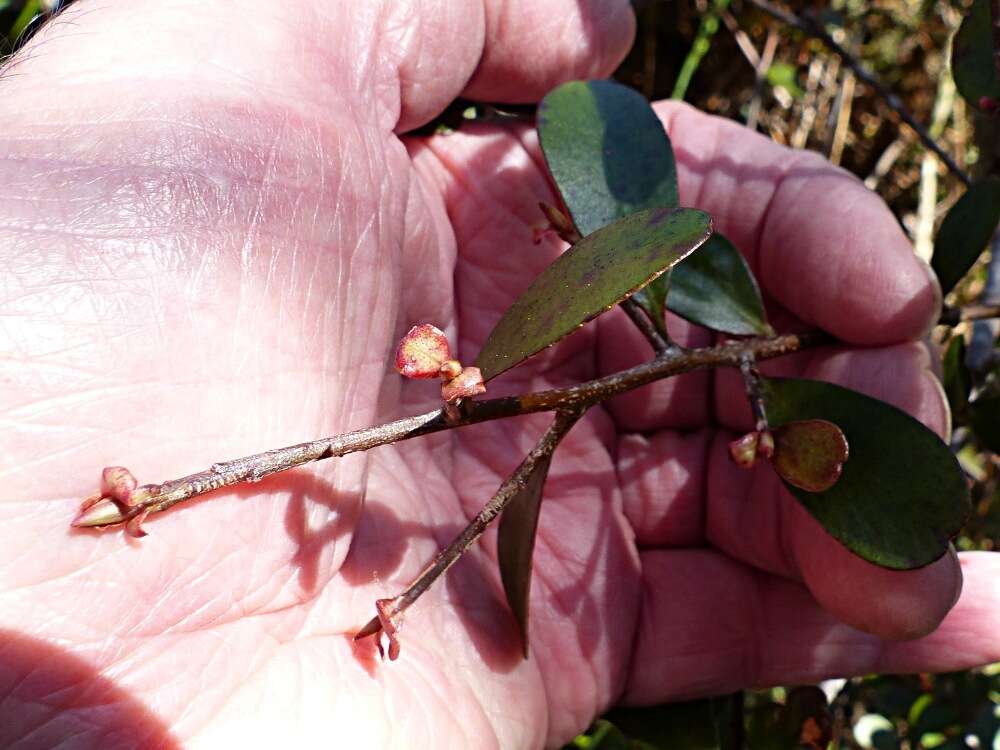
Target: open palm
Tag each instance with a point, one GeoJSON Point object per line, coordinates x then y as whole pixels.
{"type": "Point", "coordinates": [212, 238]}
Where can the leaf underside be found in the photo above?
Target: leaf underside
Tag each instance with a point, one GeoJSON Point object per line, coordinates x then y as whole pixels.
{"type": "Point", "coordinates": [592, 276]}
{"type": "Point", "coordinates": [516, 543]}
{"type": "Point", "coordinates": [902, 495]}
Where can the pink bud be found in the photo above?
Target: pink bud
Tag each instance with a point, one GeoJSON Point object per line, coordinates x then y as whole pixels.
{"type": "Point", "coordinates": [765, 444]}
{"type": "Point", "coordinates": [987, 104]}
{"type": "Point", "coordinates": [422, 352]}
{"type": "Point", "coordinates": [467, 384]}
{"type": "Point", "coordinates": [386, 613]}
{"type": "Point", "coordinates": [117, 483]}
{"type": "Point", "coordinates": [743, 450]}
{"type": "Point", "coordinates": [450, 369]}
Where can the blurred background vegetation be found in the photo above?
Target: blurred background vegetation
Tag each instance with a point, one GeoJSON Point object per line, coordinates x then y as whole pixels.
{"type": "Point", "coordinates": [734, 59]}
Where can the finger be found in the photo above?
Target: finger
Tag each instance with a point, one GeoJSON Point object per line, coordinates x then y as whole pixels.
{"type": "Point", "coordinates": [754, 518]}
{"type": "Point", "coordinates": [394, 64]}
{"type": "Point", "coordinates": [820, 243]}
{"type": "Point", "coordinates": [663, 486]}
{"type": "Point", "coordinates": [714, 625]}
{"type": "Point", "coordinates": [532, 47]}
{"type": "Point", "coordinates": [682, 402]}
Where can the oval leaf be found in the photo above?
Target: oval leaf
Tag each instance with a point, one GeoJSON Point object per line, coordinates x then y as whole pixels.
{"type": "Point", "coordinates": [592, 276]}
{"type": "Point", "coordinates": [809, 454]}
{"type": "Point", "coordinates": [966, 231]}
{"type": "Point", "coordinates": [714, 288]}
{"type": "Point", "coordinates": [516, 542]}
{"type": "Point", "coordinates": [607, 151]}
{"type": "Point", "coordinates": [901, 496]}
{"type": "Point", "coordinates": [609, 156]}
{"type": "Point", "coordinates": [972, 57]}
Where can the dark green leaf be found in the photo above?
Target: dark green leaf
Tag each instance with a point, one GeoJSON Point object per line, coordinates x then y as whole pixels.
{"type": "Point", "coordinates": [714, 288]}
{"type": "Point", "coordinates": [592, 276]}
{"type": "Point", "coordinates": [694, 725]}
{"type": "Point", "coordinates": [516, 542]}
{"type": "Point", "coordinates": [984, 416]}
{"type": "Point", "coordinates": [809, 453]}
{"type": "Point", "coordinates": [972, 57]}
{"type": "Point", "coordinates": [607, 152]}
{"type": "Point", "coordinates": [901, 496]}
{"type": "Point", "coordinates": [609, 156]}
{"type": "Point", "coordinates": [966, 231]}
{"type": "Point", "coordinates": [956, 378]}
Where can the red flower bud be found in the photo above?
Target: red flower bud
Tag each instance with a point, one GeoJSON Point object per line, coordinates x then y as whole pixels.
{"type": "Point", "coordinates": [422, 352]}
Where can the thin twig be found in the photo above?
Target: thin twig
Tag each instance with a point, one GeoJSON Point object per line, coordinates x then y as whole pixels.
{"type": "Point", "coordinates": [156, 498]}
{"type": "Point", "coordinates": [389, 610]}
{"type": "Point", "coordinates": [810, 27]}
{"type": "Point", "coordinates": [637, 315]}
{"type": "Point", "coordinates": [952, 316]}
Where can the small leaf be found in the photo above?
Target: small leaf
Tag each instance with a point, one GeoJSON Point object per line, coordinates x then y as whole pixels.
{"type": "Point", "coordinates": [984, 416]}
{"type": "Point", "coordinates": [591, 277]}
{"type": "Point", "coordinates": [809, 454]}
{"type": "Point", "coordinates": [516, 542]}
{"type": "Point", "coordinates": [714, 288]}
{"type": "Point", "coordinates": [966, 231]}
{"type": "Point", "coordinates": [956, 378]}
{"type": "Point", "coordinates": [902, 495]}
{"type": "Point", "coordinates": [972, 57]}
{"type": "Point", "coordinates": [609, 156]}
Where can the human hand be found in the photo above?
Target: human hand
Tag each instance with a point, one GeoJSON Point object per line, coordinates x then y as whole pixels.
{"type": "Point", "coordinates": [213, 238]}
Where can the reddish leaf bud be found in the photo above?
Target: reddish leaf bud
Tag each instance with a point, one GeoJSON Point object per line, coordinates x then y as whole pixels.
{"type": "Point", "coordinates": [450, 369]}
{"type": "Point", "coordinates": [117, 483]}
{"type": "Point", "coordinates": [743, 450]}
{"type": "Point", "coordinates": [467, 384]}
{"type": "Point", "coordinates": [765, 444]}
{"type": "Point", "coordinates": [987, 104]}
{"type": "Point", "coordinates": [386, 612]}
{"type": "Point", "coordinates": [422, 352]}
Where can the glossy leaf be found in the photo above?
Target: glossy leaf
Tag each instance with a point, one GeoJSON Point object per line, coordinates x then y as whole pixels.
{"type": "Point", "coordinates": [810, 454]}
{"type": "Point", "coordinates": [714, 288]}
{"type": "Point", "coordinates": [516, 543]}
{"type": "Point", "coordinates": [592, 276]}
{"type": "Point", "coordinates": [972, 58]}
{"type": "Point", "coordinates": [901, 496]}
{"type": "Point", "coordinates": [966, 231]}
{"type": "Point", "coordinates": [609, 155]}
